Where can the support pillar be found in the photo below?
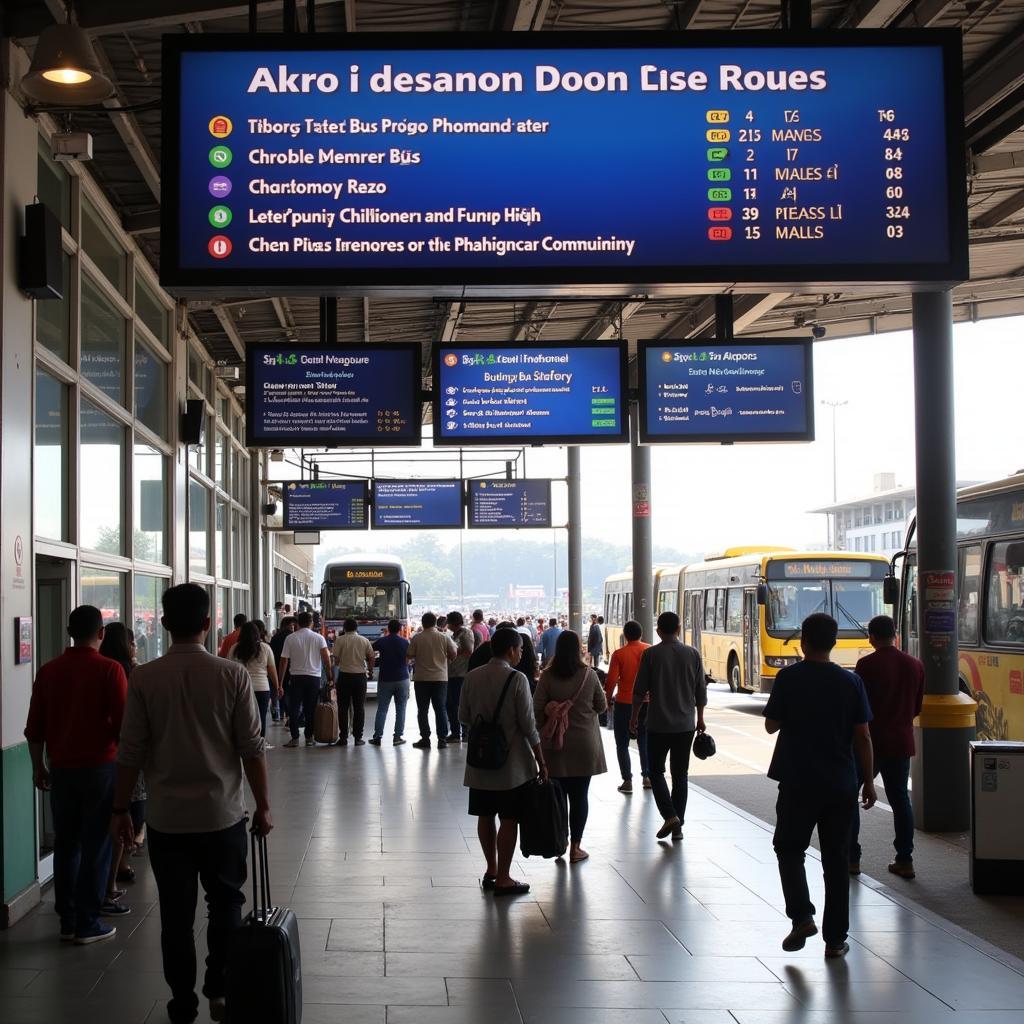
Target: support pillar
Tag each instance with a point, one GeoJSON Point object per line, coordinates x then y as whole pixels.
{"type": "Point", "coordinates": [643, 572]}
{"type": "Point", "coordinates": [941, 769]}
{"type": "Point", "coordinates": [575, 544]}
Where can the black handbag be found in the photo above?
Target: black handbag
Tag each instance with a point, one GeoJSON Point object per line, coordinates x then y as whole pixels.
{"type": "Point", "coordinates": [703, 746]}
{"type": "Point", "coordinates": [544, 825]}
{"type": "Point", "coordinates": [487, 746]}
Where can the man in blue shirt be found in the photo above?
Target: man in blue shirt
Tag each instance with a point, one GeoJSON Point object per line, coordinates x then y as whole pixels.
{"type": "Point", "coordinates": [548, 639]}
{"type": "Point", "coordinates": [821, 714]}
{"type": "Point", "coordinates": [392, 681]}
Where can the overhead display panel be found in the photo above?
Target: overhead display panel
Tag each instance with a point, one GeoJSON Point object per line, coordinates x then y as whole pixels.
{"type": "Point", "coordinates": [509, 504]}
{"type": "Point", "coordinates": [414, 504]}
{"type": "Point", "coordinates": [752, 389]}
{"type": "Point", "coordinates": [332, 396]}
{"type": "Point", "coordinates": [550, 392]}
{"type": "Point", "coordinates": [330, 162]}
{"type": "Point", "coordinates": [325, 505]}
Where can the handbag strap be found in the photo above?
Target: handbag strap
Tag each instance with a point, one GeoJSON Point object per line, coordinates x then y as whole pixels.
{"type": "Point", "coordinates": [504, 691]}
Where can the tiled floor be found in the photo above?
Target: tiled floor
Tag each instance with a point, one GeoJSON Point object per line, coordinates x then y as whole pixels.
{"type": "Point", "coordinates": [375, 853]}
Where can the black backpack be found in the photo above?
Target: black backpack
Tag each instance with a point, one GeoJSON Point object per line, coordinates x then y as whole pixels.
{"type": "Point", "coordinates": [487, 743]}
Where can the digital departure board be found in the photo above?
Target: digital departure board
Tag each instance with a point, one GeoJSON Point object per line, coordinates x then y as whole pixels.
{"type": "Point", "coordinates": [509, 504]}
{"type": "Point", "coordinates": [752, 389]}
{"type": "Point", "coordinates": [332, 396]}
{"type": "Point", "coordinates": [329, 162]}
{"type": "Point", "coordinates": [325, 505]}
{"type": "Point", "coordinates": [550, 392]}
{"type": "Point", "coordinates": [412, 504]}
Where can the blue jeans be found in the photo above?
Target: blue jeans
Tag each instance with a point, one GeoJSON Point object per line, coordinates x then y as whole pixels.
{"type": "Point", "coordinates": [303, 698]}
{"type": "Point", "coordinates": [385, 691]}
{"type": "Point", "coordinates": [454, 695]}
{"type": "Point", "coordinates": [436, 694]}
{"type": "Point", "coordinates": [81, 799]}
{"type": "Point", "coordinates": [895, 772]}
{"type": "Point", "coordinates": [620, 716]}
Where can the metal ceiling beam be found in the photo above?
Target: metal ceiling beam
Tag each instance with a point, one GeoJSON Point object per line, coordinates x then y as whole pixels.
{"type": "Point", "coordinates": [526, 15]}
{"type": "Point", "coordinates": [686, 14]}
{"type": "Point", "coordinates": [1012, 204]}
{"type": "Point", "coordinates": [870, 13]}
{"type": "Point", "coordinates": [145, 223]}
{"type": "Point", "coordinates": [997, 123]}
{"type": "Point", "coordinates": [229, 328]}
{"type": "Point", "coordinates": [452, 321]}
{"type": "Point", "coordinates": [992, 163]}
{"type": "Point", "coordinates": [747, 310]}
{"type": "Point", "coordinates": [923, 13]}
{"type": "Point", "coordinates": [284, 316]}
{"type": "Point", "coordinates": [350, 15]}
{"type": "Point", "coordinates": [607, 324]}
{"type": "Point", "coordinates": [996, 74]}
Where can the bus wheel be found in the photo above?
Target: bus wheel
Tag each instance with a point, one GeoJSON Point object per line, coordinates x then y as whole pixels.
{"type": "Point", "coordinates": [734, 674]}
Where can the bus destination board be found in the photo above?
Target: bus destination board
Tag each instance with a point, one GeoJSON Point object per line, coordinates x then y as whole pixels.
{"type": "Point", "coordinates": [748, 390]}
{"type": "Point", "coordinates": [552, 392]}
{"type": "Point", "coordinates": [325, 505]}
{"type": "Point", "coordinates": [306, 162]}
{"type": "Point", "coordinates": [410, 504]}
{"type": "Point", "coordinates": [509, 504]}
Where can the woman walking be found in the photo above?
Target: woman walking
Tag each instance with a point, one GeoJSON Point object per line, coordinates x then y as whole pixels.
{"type": "Point", "coordinates": [568, 700]}
{"type": "Point", "coordinates": [258, 660]}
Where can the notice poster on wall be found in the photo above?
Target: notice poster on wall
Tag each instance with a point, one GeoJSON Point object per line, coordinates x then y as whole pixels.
{"type": "Point", "coordinates": [415, 504]}
{"type": "Point", "coordinates": [509, 504]}
{"type": "Point", "coordinates": [318, 162]}
{"type": "Point", "coordinates": [325, 505]}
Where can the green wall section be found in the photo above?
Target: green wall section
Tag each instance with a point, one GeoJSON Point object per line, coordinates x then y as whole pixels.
{"type": "Point", "coordinates": [17, 811]}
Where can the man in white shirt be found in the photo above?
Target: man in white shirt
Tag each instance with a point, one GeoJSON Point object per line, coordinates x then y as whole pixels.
{"type": "Point", "coordinates": [303, 654]}
{"type": "Point", "coordinates": [353, 654]}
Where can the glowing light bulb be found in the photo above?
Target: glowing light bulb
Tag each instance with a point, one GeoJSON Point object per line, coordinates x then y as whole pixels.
{"type": "Point", "coordinates": [67, 76]}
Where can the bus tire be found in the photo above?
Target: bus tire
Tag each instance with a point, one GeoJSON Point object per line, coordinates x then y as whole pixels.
{"type": "Point", "coordinates": [733, 674]}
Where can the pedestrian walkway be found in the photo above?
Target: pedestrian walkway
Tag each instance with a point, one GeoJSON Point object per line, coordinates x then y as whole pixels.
{"type": "Point", "coordinates": [374, 851]}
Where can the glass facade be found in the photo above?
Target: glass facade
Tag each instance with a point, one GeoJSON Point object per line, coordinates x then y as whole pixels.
{"type": "Point", "coordinates": [150, 389]}
{"type": "Point", "coordinates": [198, 529]}
{"type": "Point", "coordinates": [51, 458]}
{"type": "Point", "coordinates": [150, 638]}
{"type": "Point", "coordinates": [150, 505]}
{"type": "Point", "coordinates": [103, 342]}
{"type": "Point", "coordinates": [100, 504]}
{"type": "Point", "coordinates": [102, 248]}
{"type": "Point", "coordinates": [53, 316]}
{"type": "Point", "coordinates": [104, 589]}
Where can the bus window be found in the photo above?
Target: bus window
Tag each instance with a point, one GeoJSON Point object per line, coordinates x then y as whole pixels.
{"type": "Point", "coordinates": [1004, 612]}
{"type": "Point", "coordinates": [856, 601]}
{"type": "Point", "coordinates": [720, 609]}
{"type": "Point", "coordinates": [709, 610]}
{"type": "Point", "coordinates": [687, 614]}
{"type": "Point", "coordinates": [910, 601]}
{"type": "Point", "coordinates": [969, 583]}
{"type": "Point", "coordinates": [734, 611]}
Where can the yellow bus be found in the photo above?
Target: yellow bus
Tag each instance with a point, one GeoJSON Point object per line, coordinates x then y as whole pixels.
{"type": "Point", "coordinates": [990, 592]}
{"type": "Point", "coordinates": [618, 603]}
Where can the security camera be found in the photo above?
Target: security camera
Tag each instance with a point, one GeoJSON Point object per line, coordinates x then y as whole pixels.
{"type": "Point", "coordinates": [68, 146]}
{"type": "Point", "coordinates": [818, 331]}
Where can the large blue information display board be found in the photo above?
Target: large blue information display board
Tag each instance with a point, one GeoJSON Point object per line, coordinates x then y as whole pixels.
{"type": "Point", "coordinates": [509, 504]}
{"type": "Point", "coordinates": [325, 505]}
{"type": "Point", "coordinates": [332, 396]}
{"type": "Point", "coordinates": [752, 389]}
{"type": "Point", "coordinates": [411, 504]}
{"type": "Point", "coordinates": [552, 392]}
{"type": "Point", "coordinates": [305, 162]}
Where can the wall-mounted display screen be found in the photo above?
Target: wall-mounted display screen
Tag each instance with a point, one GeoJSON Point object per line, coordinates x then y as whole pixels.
{"type": "Point", "coordinates": [325, 505]}
{"type": "Point", "coordinates": [323, 162]}
{"type": "Point", "coordinates": [332, 396]}
{"type": "Point", "coordinates": [413, 504]}
{"type": "Point", "coordinates": [551, 392]}
{"type": "Point", "coordinates": [509, 504]}
{"type": "Point", "coordinates": [748, 390]}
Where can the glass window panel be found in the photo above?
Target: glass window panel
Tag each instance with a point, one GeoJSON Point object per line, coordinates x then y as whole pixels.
{"type": "Point", "coordinates": [54, 185]}
{"type": "Point", "coordinates": [53, 316]}
{"type": "Point", "coordinates": [150, 310]}
{"type": "Point", "coordinates": [101, 515]}
{"type": "Point", "coordinates": [969, 589]}
{"type": "Point", "coordinates": [709, 609]}
{"type": "Point", "coordinates": [734, 611]}
{"type": "Point", "coordinates": [1004, 611]}
{"type": "Point", "coordinates": [150, 389]}
{"type": "Point", "coordinates": [196, 370]}
{"type": "Point", "coordinates": [102, 248]}
{"type": "Point", "coordinates": [239, 548]}
{"type": "Point", "coordinates": [103, 342]}
{"type": "Point", "coordinates": [150, 519]}
{"type": "Point", "coordinates": [198, 525]}
{"type": "Point", "coordinates": [104, 589]}
{"type": "Point", "coordinates": [150, 638]}
{"type": "Point", "coordinates": [221, 615]}
{"type": "Point", "coordinates": [220, 453]}
{"type": "Point", "coordinates": [221, 540]}
{"type": "Point", "coordinates": [241, 603]}
{"type": "Point", "coordinates": [197, 453]}
{"type": "Point", "coordinates": [51, 458]}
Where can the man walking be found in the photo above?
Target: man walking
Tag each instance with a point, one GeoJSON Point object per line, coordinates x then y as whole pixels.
{"type": "Point", "coordinates": [480, 630]}
{"type": "Point", "coordinates": [595, 642]}
{"type": "Point", "coordinates": [894, 683]}
{"type": "Point", "coordinates": [548, 639]}
{"type": "Point", "coordinates": [280, 706]}
{"type": "Point", "coordinates": [232, 638]}
{"type": "Point", "coordinates": [622, 672]}
{"type": "Point", "coordinates": [431, 651]}
{"type": "Point", "coordinates": [464, 642]}
{"type": "Point", "coordinates": [191, 720]}
{"type": "Point", "coordinates": [353, 654]}
{"type": "Point", "coordinates": [673, 674]}
{"type": "Point", "coordinates": [821, 714]}
{"type": "Point", "coordinates": [75, 715]}
{"type": "Point", "coordinates": [303, 655]}
{"type": "Point", "coordinates": [392, 682]}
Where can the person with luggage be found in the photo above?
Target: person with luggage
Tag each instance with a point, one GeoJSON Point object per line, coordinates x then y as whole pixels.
{"type": "Point", "coordinates": [192, 721]}
{"type": "Point", "coordinates": [622, 670]}
{"type": "Point", "coordinates": [431, 651]}
{"type": "Point", "coordinates": [672, 673]}
{"type": "Point", "coordinates": [465, 642]}
{"type": "Point", "coordinates": [568, 699]}
{"type": "Point", "coordinates": [392, 682]}
{"type": "Point", "coordinates": [257, 659]}
{"type": "Point", "coordinates": [304, 655]}
{"type": "Point", "coordinates": [353, 654]}
{"type": "Point", "coordinates": [497, 693]}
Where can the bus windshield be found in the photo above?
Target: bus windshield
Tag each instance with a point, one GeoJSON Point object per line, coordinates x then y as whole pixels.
{"type": "Point", "coordinates": [380, 602]}
{"type": "Point", "coordinates": [852, 601]}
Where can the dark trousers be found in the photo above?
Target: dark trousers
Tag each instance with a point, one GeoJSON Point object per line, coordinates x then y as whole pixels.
{"type": "Point", "coordinates": [798, 813]}
{"type": "Point", "coordinates": [303, 697]}
{"type": "Point", "coordinates": [180, 862]}
{"type": "Point", "coordinates": [81, 799]}
{"type": "Point", "coordinates": [676, 747]}
{"type": "Point", "coordinates": [262, 703]}
{"type": "Point", "coordinates": [621, 714]}
{"type": "Point", "coordinates": [577, 789]}
{"type": "Point", "coordinates": [435, 694]}
{"type": "Point", "coordinates": [352, 694]}
{"type": "Point", "coordinates": [895, 772]}
{"type": "Point", "coordinates": [452, 704]}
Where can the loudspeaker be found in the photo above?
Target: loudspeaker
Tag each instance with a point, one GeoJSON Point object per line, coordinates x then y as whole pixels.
{"type": "Point", "coordinates": [193, 420]}
{"type": "Point", "coordinates": [39, 266]}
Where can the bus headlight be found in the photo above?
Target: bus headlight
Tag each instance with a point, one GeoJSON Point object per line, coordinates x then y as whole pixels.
{"type": "Point", "coordinates": [780, 662]}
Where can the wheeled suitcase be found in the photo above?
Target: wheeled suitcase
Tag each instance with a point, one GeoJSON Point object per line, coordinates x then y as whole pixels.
{"type": "Point", "coordinates": [544, 826]}
{"type": "Point", "coordinates": [325, 723]}
{"type": "Point", "coordinates": [264, 976]}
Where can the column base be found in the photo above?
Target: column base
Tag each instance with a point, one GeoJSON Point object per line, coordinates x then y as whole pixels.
{"type": "Point", "coordinates": [19, 906]}
{"type": "Point", "coordinates": [941, 771]}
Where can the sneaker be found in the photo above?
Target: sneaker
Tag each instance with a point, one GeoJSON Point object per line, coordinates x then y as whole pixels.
{"type": "Point", "coordinates": [97, 933]}
{"type": "Point", "coordinates": [454, 739]}
{"type": "Point", "coordinates": [218, 1008]}
{"type": "Point", "coordinates": [627, 786]}
{"type": "Point", "coordinates": [422, 744]}
{"type": "Point", "coordinates": [903, 868]}
{"type": "Point", "coordinates": [341, 741]}
{"type": "Point", "coordinates": [854, 867]}
{"type": "Point", "coordinates": [67, 933]}
{"type": "Point", "coordinates": [799, 935]}
{"type": "Point", "coordinates": [441, 744]}
{"type": "Point", "coordinates": [647, 783]}
{"type": "Point", "coordinates": [360, 743]}
{"type": "Point", "coordinates": [293, 742]}
{"type": "Point", "coordinates": [310, 742]}
{"type": "Point", "coordinates": [268, 746]}
{"type": "Point", "coordinates": [677, 834]}
{"type": "Point", "coordinates": [398, 741]}
{"type": "Point", "coordinates": [374, 741]}
{"type": "Point", "coordinates": [670, 826]}
{"type": "Point", "coordinates": [111, 909]}
{"type": "Point", "coordinates": [835, 952]}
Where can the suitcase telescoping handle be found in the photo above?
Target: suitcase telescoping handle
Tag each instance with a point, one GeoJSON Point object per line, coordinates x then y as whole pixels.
{"type": "Point", "coordinates": [260, 877]}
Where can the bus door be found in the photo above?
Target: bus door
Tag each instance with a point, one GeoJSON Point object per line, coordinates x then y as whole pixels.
{"type": "Point", "coordinates": [751, 642]}
{"type": "Point", "coordinates": [911, 643]}
{"type": "Point", "coordinates": [696, 617]}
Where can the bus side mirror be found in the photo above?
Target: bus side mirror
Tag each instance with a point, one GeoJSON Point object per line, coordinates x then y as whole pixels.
{"type": "Point", "coordinates": [762, 593]}
{"type": "Point", "coordinates": [891, 590]}
{"type": "Point", "coordinates": [408, 594]}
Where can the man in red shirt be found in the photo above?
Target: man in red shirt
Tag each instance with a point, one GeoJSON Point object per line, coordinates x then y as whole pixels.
{"type": "Point", "coordinates": [232, 638]}
{"type": "Point", "coordinates": [75, 714]}
{"type": "Point", "coordinates": [622, 670]}
{"type": "Point", "coordinates": [894, 682]}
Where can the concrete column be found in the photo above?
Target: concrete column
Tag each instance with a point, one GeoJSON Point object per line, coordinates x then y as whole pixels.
{"type": "Point", "coordinates": [258, 596]}
{"type": "Point", "coordinates": [941, 777]}
{"type": "Point", "coordinates": [643, 573]}
{"type": "Point", "coordinates": [575, 544]}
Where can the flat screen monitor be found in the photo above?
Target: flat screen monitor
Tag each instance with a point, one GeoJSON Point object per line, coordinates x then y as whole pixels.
{"type": "Point", "coordinates": [326, 505]}
{"type": "Point", "coordinates": [752, 389]}
{"type": "Point", "coordinates": [332, 395]}
{"type": "Point", "coordinates": [415, 504]}
{"type": "Point", "coordinates": [509, 504]}
{"type": "Point", "coordinates": [540, 393]}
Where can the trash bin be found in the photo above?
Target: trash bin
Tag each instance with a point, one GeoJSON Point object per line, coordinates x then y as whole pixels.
{"type": "Point", "coordinates": [997, 825]}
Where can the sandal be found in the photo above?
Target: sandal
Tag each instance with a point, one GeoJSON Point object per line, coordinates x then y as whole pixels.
{"type": "Point", "coordinates": [515, 889]}
{"type": "Point", "coordinates": [487, 883]}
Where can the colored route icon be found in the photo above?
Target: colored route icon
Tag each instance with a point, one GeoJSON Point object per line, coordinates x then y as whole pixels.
{"type": "Point", "coordinates": [220, 126]}
{"type": "Point", "coordinates": [220, 156]}
{"type": "Point", "coordinates": [219, 247]}
{"type": "Point", "coordinates": [220, 216]}
{"type": "Point", "coordinates": [220, 187]}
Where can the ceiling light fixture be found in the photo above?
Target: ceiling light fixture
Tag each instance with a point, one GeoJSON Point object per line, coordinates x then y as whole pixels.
{"type": "Point", "coordinates": [65, 70]}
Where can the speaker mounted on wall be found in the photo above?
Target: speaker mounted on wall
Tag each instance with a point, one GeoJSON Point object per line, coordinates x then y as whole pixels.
{"type": "Point", "coordinates": [193, 420]}
{"type": "Point", "coordinates": [40, 270]}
